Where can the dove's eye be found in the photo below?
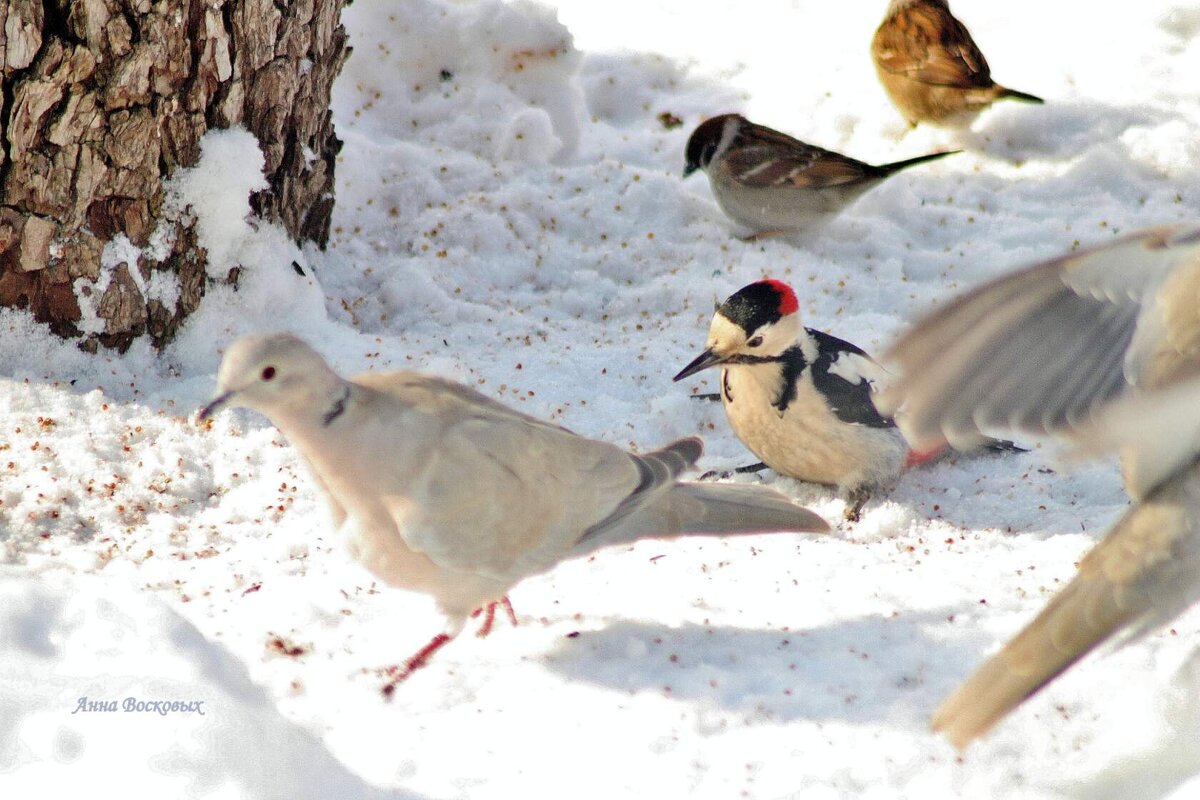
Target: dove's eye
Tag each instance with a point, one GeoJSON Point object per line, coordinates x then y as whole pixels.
{"type": "Point", "coordinates": [268, 373]}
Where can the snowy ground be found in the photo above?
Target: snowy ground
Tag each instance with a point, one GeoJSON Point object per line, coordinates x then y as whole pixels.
{"type": "Point", "coordinates": [510, 214]}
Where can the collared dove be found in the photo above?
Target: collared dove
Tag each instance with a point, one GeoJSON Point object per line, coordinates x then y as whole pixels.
{"type": "Point", "coordinates": [439, 489]}
{"type": "Point", "coordinates": [1100, 348]}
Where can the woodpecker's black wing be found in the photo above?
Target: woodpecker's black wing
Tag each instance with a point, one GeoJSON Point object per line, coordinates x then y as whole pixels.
{"type": "Point", "coordinates": [839, 375]}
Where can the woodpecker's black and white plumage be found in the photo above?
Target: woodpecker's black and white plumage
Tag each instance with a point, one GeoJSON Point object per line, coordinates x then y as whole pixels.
{"type": "Point", "coordinates": [800, 399]}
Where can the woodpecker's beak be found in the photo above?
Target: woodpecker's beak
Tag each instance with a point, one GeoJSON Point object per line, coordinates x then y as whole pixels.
{"type": "Point", "coordinates": [689, 169]}
{"type": "Point", "coordinates": [703, 361]}
{"type": "Point", "coordinates": [214, 406]}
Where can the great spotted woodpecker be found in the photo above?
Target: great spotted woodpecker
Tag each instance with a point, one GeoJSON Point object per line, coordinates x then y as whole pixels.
{"type": "Point", "coordinates": [800, 399]}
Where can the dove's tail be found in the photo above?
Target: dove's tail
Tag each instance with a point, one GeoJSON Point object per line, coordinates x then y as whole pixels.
{"type": "Point", "coordinates": [1138, 577]}
{"type": "Point", "coordinates": [711, 509]}
{"type": "Point", "coordinates": [716, 508]}
{"type": "Point", "coordinates": [660, 508]}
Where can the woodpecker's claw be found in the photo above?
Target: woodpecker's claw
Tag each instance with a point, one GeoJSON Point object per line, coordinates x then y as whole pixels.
{"type": "Point", "coordinates": [855, 500]}
{"type": "Point", "coordinates": [723, 474]}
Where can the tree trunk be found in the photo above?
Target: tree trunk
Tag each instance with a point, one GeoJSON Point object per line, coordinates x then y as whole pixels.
{"type": "Point", "coordinates": [103, 99]}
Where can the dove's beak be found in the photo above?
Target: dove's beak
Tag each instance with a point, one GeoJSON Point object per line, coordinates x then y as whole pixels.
{"type": "Point", "coordinates": [214, 406]}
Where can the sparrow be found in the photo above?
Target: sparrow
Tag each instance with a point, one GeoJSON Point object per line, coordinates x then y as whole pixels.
{"type": "Point", "coordinates": [931, 68]}
{"type": "Point", "coordinates": [769, 182]}
{"type": "Point", "coordinates": [439, 489]}
{"type": "Point", "coordinates": [1101, 349]}
{"type": "Point", "coordinates": [801, 399]}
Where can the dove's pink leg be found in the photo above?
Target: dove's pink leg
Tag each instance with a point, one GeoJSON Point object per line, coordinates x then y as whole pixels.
{"type": "Point", "coordinates": [400, 674]}
{"type": "Point", "coordinates": [512, 615]}
{"type": "Point", "coordinates": [489, 615]}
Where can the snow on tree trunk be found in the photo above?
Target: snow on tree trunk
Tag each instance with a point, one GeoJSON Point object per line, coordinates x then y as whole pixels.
{"type": "Point", "coordinates": [103, 99]}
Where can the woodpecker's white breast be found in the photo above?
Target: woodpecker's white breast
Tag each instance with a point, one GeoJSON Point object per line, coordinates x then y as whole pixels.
{"type": "Point", "coordinates": [806, 440]}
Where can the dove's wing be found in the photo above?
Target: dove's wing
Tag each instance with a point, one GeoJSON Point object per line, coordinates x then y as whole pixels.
{"type": "Point", "coordinates": [1044, 349]}
{"type": "Point", "coordinates": [1142, 575]}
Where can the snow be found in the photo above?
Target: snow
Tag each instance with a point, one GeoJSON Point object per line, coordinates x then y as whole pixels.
{"type": "Point", "coordinates": [510, 214]}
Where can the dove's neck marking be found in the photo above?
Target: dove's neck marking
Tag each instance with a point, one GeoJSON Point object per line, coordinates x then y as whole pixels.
{"type": "Point", "coordinates": [338, 407]}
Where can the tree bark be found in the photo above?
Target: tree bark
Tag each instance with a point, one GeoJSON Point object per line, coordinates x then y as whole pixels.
{"type": "Point", "coordinates": [103, 99]}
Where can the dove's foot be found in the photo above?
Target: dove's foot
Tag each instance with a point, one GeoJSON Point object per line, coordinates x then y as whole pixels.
{"type": "Point", "coordinates": [489, 615]}
{"type": "Point", "coordinates": [399, 673]}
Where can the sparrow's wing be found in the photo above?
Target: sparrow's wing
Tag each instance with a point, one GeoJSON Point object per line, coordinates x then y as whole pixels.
{"type": "Point", "coordinates": [1141, 576]}
{"type": "Point", "coordinates": [925, 42]}
{"type": "Point", "coordinates": [770, 158]}
{"type": "Point", "coordinates": [1042, 350]}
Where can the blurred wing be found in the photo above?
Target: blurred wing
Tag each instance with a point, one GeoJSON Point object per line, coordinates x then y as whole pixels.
{"type": "Point", "coordinates": [926, 43]}
{"type": "Point", "coordinates": [1142, 575]}
{"type": "Point", "coordinates": [1156, 434]}
{"type": "Point", "coordinates": [1040, 350]}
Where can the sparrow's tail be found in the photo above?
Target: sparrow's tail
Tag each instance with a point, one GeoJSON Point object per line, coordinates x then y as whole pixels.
{"type": "Point", "coordinates": [896, 166]}
{"type": "Point", "coordinates": [1139, 576]}
{"type": "Point", "coordinates": [1013, 94]}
